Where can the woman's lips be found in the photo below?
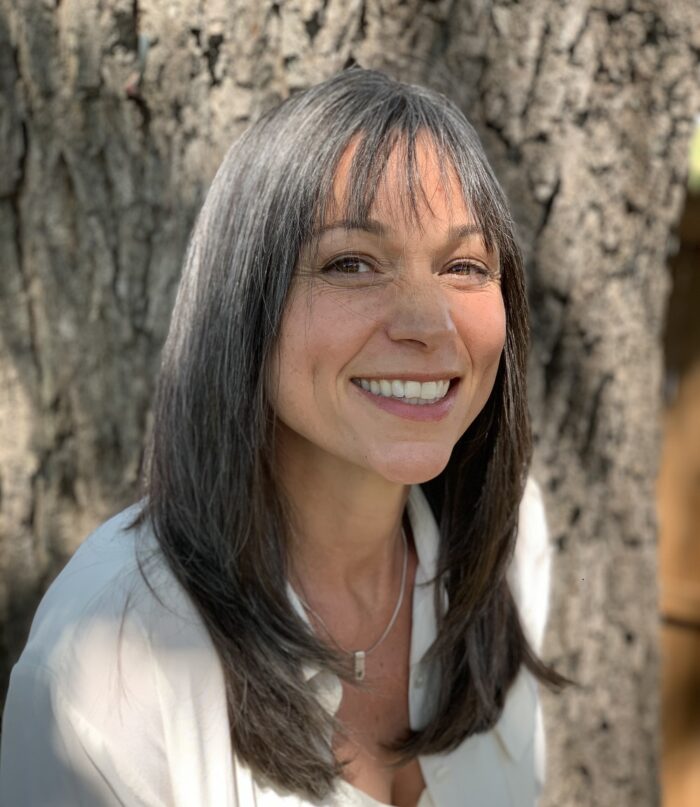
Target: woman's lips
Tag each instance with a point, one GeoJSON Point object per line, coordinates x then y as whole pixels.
{"type": "Point", "coordinates": [417, 412]}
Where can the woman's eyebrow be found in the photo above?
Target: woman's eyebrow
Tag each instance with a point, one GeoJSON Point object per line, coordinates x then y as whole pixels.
{"type": "Point", "coordinates": [465, 231]}
{"type": "Point", "coordinates": [374, 227]}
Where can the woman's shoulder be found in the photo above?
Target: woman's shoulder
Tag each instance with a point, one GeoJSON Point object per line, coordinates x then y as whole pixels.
{"type": "Point", "coordinates": [117, 682]}
{"type": "Point", "coordinates": [115, 616]}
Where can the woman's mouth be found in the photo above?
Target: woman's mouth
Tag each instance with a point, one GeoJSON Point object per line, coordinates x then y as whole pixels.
{"type": "Point", "coordinates": [410, 398]}
{"type": "Point", "coordinates": [416, 393]}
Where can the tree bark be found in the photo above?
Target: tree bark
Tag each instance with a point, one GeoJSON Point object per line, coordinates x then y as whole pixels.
{"type": "Point", "coordinates": [114, 116]}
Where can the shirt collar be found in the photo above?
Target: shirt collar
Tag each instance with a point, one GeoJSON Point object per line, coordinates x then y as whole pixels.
{"type": "Point", "coordinates": [426, 535]}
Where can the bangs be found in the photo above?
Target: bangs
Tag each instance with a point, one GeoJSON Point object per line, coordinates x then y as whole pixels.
{"type": "Point", "coordinates": [373, 149]}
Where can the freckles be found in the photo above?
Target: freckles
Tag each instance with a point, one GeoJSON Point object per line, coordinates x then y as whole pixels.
{"type": "Point", "coordinates": [343, 323]}
{"type": "Point", "coordinates": [352, 310]}
{"type": "Point", "coordinates": [483, 326]}
{"type": "Point", "coordinates": [494, 330]}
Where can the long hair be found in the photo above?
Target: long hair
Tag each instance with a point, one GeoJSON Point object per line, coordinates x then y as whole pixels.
{"type": "Point", "coordinates": [211, 498]}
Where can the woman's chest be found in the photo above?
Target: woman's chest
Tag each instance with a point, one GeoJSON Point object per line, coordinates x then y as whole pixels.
{"type": "Point", "coordinates": [374, 716]}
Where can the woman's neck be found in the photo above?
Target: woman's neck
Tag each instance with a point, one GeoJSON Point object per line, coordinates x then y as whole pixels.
{"type": "Point", "coordinates": [346, 531]}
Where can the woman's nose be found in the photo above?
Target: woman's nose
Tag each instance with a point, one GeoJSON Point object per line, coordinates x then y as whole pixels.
{"type": "Point", "coordinates": [420, 312]}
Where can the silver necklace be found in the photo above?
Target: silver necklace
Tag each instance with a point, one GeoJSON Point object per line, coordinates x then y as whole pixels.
{"type": "Point", "coordinates": [360, 656]}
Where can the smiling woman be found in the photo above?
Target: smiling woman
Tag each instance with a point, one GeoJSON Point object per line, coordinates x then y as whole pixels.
{"type": "Point", "coordinates": [314, 601]}
{"type": "Point", "coordinates": [380, 312]}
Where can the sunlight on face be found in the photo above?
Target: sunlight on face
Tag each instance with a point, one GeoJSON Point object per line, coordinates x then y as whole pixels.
{"type": "Point", "coordinates": [393, 331]}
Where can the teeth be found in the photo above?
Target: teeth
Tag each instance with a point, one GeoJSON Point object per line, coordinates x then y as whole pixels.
{"type": "Point", "coordinates": [428, 390]}
{"type": "Point", "coordinates": [412, 392]}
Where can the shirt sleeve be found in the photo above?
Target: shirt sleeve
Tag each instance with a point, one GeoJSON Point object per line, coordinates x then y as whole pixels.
{"type": "Point", "coordinates": [52, 756]}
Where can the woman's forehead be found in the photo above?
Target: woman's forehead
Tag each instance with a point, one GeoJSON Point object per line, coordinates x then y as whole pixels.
{"type": "Point", "coordinates": [407, 187]}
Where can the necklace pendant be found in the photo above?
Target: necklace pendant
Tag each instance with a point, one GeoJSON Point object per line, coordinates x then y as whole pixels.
{"type": "Point", "coordinates": [359, 657]}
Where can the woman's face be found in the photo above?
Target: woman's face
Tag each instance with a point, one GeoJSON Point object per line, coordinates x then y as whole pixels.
{"type": "Point", "coordinates": [392, 334]}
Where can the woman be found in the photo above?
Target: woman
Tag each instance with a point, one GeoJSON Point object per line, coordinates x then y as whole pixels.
{"type": "Point", "coordinates": [311, 605]}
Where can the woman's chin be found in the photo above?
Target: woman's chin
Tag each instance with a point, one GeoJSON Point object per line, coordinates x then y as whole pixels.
{"type": "Point", "coordinates": [412, 466]}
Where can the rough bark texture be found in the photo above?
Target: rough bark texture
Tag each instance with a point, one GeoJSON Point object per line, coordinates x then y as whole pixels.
{"type": "Point", "coordinates": [113, 117]}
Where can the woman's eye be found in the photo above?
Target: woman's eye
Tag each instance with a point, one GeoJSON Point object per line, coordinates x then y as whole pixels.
{"type": "Point", "coordinates": [348, 265]}
{"type": "Point", "coordinates": [471, 270]}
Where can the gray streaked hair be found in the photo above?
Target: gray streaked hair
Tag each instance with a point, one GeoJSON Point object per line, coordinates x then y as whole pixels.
{"type": "Point", "coordinates": [211, 495]}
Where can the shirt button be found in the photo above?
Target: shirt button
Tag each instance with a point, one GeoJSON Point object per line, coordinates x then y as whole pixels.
{"type": "Point", "coordinates": [419, 679]}
{"type": "Point", "coordinates": [442, 771]}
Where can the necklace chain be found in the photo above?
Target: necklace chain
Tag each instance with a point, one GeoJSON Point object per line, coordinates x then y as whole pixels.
{"type": "Point", "coordinates": [359, 656]}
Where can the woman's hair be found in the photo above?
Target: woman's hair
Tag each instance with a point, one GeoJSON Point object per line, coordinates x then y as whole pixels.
{"type": "Point", "coordinates": [212, 500]}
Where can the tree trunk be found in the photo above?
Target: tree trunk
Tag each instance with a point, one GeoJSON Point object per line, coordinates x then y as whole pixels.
{"type": "Point", "coordinates": [113, 119]}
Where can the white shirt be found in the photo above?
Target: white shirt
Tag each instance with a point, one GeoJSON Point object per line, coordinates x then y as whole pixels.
{"type": "Point", "coordinates": [108, 706]}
